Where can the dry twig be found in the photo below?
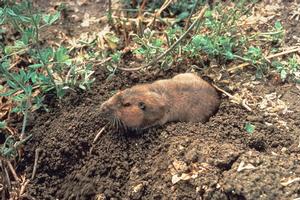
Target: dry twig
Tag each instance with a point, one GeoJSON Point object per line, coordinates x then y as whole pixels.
{"type": "Point", "coordinates": [23, 186]}
{"type": "Point", "coordinates": [190, 16]}
{"type": "Point", "coordinates": [292, 50]}
{"type": "Point", "coordinates": [98, 134]}
{"type": "Point", "coordinates": [13, 172]}
{"type": "Point", "coordinates": [97, 137]}
{"type": "Point", "coordinates": [37, 151]}
{"type": "Point", "coordinates": [6, 179]}
{"type": "Point", "coordinates": [241, 102]}
{"type": "Point", "coordinates": [283, 53]}
{"type": "Point", "coordinates": [157, 14]}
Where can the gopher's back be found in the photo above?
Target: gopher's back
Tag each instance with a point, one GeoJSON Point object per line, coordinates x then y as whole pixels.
{"type": "Point", "coordinates": [190, 98]}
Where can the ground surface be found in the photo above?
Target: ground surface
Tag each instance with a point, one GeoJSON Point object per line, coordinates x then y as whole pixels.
{"type": "Point", "coordinates": [215, 160]}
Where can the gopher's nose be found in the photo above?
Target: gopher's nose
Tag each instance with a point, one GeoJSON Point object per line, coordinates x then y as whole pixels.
{"type": "Point", "coordinates": [104, 108]}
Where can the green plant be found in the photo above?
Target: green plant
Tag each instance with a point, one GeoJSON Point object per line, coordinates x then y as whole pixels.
{"type": "Point", "coordinates": [149, 45]}
{"type": "Point", "coordinates": [289, 68]}
{"type": "Point", "coordinates": [112, 65]}
{"type": "Point", "coordinates": [218, 47]}
{"type": "Point", "coordinates": [221, 40]}
{"type": "Point", "coordinates": [180, 9]}
{"type": "Point", "coordinates": [2, 124]}
{"type": "Point", "coordinates": [249, 128]}
{"type": "Point", "coordinates": [274, 35]}
{"type": "Point", "coordinates": [219, 36]}
{"type": "Point", "coordinates": [47, 68]}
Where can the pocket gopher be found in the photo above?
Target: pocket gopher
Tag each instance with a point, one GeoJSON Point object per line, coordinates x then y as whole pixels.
{"type": "Point", "coordinates": [185, 97]}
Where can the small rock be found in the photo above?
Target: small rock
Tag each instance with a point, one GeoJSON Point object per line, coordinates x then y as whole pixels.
{"type": "Point", "coordinates": [180, 166]}
{"type": "Point", "coordinates": [137, 191]}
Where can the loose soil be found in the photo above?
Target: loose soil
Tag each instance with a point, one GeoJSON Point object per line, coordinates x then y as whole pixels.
{"type": "Point", "coordinates": [215, 160]}
{"type": "Point", "coordinates": [142, 165]}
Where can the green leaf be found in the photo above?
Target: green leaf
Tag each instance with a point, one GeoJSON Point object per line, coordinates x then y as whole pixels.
{"type": "Point", "coordinates": [36, 19]}
{"type": "Point", "coordinates": [254, 53]}
{"type": "Point", "coordinates": [46, 54]}
{"type": "Point", "coordinates": [2, 124]}
{"type": "Point", "coordinates": [34, 77]}
{"type": "Point", "coordinates": [27, 35]}
{"type": "Point", "coordinates": [19, 97]}
{"type": "Point", "coordinates": [157, 42]}
{"type": "Point", "coordinates": [28, 89]}
{"type": "Point", "coordinates": [283, 74]}
{"type": "Point", "coordinates": [61, 93]}
{"type": "Point", "coordinates": [61, 55]}
{"type": "Point", "coordinates": [293, 63]}
{"type": "Point", "coordinates": [197, 40]}
{"type": "Point", "coordinates": [50, 19]}
{"type": "Point", "coordinates": [229, 55]}
{"type": "Point", "coordinates": [5, 65]}
{"type": "Point", "coordinates": [35, 66]}
{"type": "Point", "coordinates": [12, 84]}
{"type": "Point", "coordinates": [2, 17]}
{"type": "Point", "coordinates": [8, 49]}
{"type": "Point", "coordinates": [278, 26]}
{"type": "Point", "coordinates": [1, 11]}
{"type": "Point", "coordinates": [11, 12]}
{"type": "Point", "coordinates": [37, 102]}
{"type": "Point", "coordinates": [8, 93]}
{"type": "Point", "coordinates": [116, 57]}
{"type": "Point", "coordinates": [44, 79]}
{"type": "Point", "coordinates": [19, 44]}
{"type": "Point", "coordinates": [22, 74]}
{"type": "Point", "coordinates": [82, 87]}
{"type": "Point", "coordinates": [208, 13]}
{"type": "Point", "coordinates": [16, 110]}
{"type": "Point", "coordinates": [249, 128]}
{"type": "Point", "coordinates": [278, 65]}
{"type": "Point", "coordinates": [182, 16]}
{"type": "Point", "coordinates": [25, 19]}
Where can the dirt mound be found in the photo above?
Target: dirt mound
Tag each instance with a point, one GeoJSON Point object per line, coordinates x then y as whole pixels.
{"type": "Point", "coordinates": [215, 160]}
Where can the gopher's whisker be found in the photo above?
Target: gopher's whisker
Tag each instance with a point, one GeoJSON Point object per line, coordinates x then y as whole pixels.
{"type": "Point", "coordinates": [118, 124]}
{"type": "Point", "coordinates": [114, 122]}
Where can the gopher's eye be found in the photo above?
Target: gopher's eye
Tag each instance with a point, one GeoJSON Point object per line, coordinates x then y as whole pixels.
{"type": "Point", "coordinates": [126, 104]}
{"type": "Point", "coordinates": [142, 105]}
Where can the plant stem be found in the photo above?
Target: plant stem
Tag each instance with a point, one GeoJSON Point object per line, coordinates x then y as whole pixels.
{"type": "Point", "coordinates": [190, 16]}
{"type": "Point", "coordinates": [11, 77]}
{"type": "Point", "coordinates": [39, 52]}
{"type": "Point", "coordinates": [110, 21]}
{"type": "Point", "coordinates": [15, 53]}
{"type": "Point", "coordinates": [13, 21]}
{"type": "Point", "coordinates": [241, 58]}
{"type": "Point", "coordinates": [25, 119]}
{"type": "Point", "coordinates": [17, 144]}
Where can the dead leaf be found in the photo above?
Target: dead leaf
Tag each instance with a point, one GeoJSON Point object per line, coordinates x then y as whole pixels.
{"type": "Point", "coordinates": [242, 167]}
{"type": "Point", "coordinates": [290, 181]}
